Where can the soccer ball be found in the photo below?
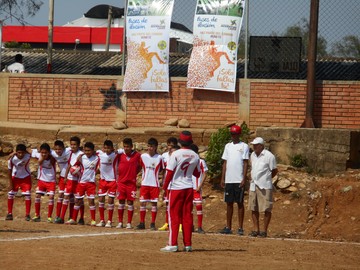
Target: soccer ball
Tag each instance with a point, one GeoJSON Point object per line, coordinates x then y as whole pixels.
{"type": "Point", "coordinates": [75, 170]}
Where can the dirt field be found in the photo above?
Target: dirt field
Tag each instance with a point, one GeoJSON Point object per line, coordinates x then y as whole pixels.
{"type": "Point", "coordinates": [317, 226]}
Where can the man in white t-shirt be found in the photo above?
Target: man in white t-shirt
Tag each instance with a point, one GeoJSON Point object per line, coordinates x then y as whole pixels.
{"type": "Point", "coordinates": [234, 170]}
{"type": "Point", "coordinates": [17, 67]}
{"type": "Point", "coordinates": [263, 169]}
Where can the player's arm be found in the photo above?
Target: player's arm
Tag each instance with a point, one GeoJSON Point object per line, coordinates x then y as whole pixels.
{"type": "Point", "coordinates": [67, 172]}
{"type": "Point", "coordinates": [222, 182]}
{"type": "Point", "coordinates": [11, 186]}
{"type": "Point", "coordinates": [168, 178]}
{"type": "Point", "coordinates": [245, 169]}
{"type": "Point", "coordinates": [202, 182]}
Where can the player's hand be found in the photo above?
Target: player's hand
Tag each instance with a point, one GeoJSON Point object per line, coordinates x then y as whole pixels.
{"type": "Point", "coordinates": [222, 183]}
{"type": "Point", "coordinates": [242, 183]}
{"type": "Point", "coordinates": [10, 187]}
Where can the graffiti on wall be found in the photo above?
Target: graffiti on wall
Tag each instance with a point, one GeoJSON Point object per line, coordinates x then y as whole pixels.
{"type": "Point", "coordinates": [112, 97]}
{"type": "Point", "coordinates": [57, 93]}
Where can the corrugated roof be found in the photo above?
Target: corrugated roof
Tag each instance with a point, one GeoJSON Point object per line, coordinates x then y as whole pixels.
{"type": "Point", "coordinates": [109, 63]}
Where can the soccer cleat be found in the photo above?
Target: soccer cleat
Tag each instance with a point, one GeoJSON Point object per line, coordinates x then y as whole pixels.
{"type": "Point", "coordinates": [169, 249]}
{"type": "Point", "coordinates": [93, 223]}
{"type": "Point", "coordinates": [188, 249]}
{"type": "Point", "coordinates": [128, 226]}
{"type": "Point", "coordinates": [120, 225]}
{"type": "Point", "coordinates": [108, 224]}
{"type": "Point", "coordinates": [101, 224]}
{"type": "Point", "coordinates": [36, 219]}
{"type": "Point", "coordinates": [58, 220]}
{"type": "Point", "coordinates": [165, 227]}
{"type": "Point", "coordinates": [141, 226]}
{"type": "Point", "coordinates": [9, 217]}
{"type": "Point", "coordinates": [49, 219]}
{"type": "Point", "coordinates": [81, 221]}
{"type": "Point", "coordinates": [200, 230]}
{"type": "Point", "coordinates": [262, 234]}
{"type": "Point", "coordinates": [240, 231]}
{"type": "Point", "coordinates": [70, 222]}
{"type": "Point", "coordinates": [180, 228]}
{"type": "Point", "coordinates": [152, 227]}
{"type": "Point", "coordinates": [226, 230]}
{"type": "Point", "coordinates": [27, 218]}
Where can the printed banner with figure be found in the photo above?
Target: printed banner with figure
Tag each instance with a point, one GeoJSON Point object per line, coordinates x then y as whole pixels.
{"type": "Point", "coordinates": [213, 61]}
{"type": "Point", "coordinates": [147, 34]}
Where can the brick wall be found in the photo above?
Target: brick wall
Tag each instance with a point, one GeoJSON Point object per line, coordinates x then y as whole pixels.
{"type": "Point", "coordinates": [202, 108]}
{"type": "Point", "coordinates": [86, 100]}
{"type": "Point", "coordinates": [282, 104]}
{"type": "Point", "coordinates": [59, 100]}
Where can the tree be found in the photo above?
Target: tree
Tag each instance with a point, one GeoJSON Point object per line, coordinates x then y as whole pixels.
{"type": "Point", "coordinates": [19, 9]}
{"type": "Point", "coordinates": [301, 29]}
{"type": "Point", "coordinates": [349, 46]}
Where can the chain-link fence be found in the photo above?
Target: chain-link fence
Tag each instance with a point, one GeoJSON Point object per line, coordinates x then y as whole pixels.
{"type": "Point", "coordinates": [338, 31]}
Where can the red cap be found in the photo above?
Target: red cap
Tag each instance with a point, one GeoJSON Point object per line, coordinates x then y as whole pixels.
{"type": "Point", "coordinates": [185, 138]}
{"type": "Point", "coordinates": [235, 129]}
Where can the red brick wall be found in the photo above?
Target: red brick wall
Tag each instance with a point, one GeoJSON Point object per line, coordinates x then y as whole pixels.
{"type": "Point", "coordinates": [202, 108]}
{"type": "Point", "coordinates": [336, 105]}
{"type": "Point", "coordinates": [57, 100]}
{"type": "Point", "coordinates": [78, 100]}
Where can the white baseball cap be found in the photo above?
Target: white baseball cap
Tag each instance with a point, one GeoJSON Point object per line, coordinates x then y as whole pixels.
{"type": "Point", "coordinates": [258, 140]}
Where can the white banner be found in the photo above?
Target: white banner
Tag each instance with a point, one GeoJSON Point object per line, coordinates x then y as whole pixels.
{"type": "Point", "coordinates": [213, 61]}
{"type": "Point", "coordinates": [147, 33]}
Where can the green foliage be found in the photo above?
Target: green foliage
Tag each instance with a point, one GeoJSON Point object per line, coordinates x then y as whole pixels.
{"type": "Point", "coordinates": [301, 29]}
{"type": "Point", "coordinates": [12, 44]}
{"type": "Point", "coordinates": [349, 46]}
{"type": "Point", "coordinates": [25, 46]}
{"type": "Point", "coordinates": [218, 140]}
{"type": "Point", "coordinates": [298, 161]}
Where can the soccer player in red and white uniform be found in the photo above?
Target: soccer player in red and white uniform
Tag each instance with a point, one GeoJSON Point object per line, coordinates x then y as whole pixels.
{"type": "Point", "coordinates": [172, 144]}
{"type": "Point", "coordinates": [197, 185]}
{"type": "Point", "coordinates": [152, 164]}
{"type": "Point", "coordinates": [19, 178]}
{"type": "Point", "coordinates": [129, 167]}
{"type": "Point", "coordinates": [107, 184]}
{"type": "Point", "coordinates": [46, 180]}
{"type": "Point", "coordinates": [183, 164]}
{"type": "Point", "coordinates": [61, 155]}
{"type": "Point", "coordinates": [89, 163]}
{"type": "Point", "coordinates": [71, 180]}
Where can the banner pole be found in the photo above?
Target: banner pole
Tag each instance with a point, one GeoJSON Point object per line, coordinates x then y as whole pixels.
{"type": "Point", "coordinates": [124, 41]}
{"type": "Point", "coordinates": [246, 64]}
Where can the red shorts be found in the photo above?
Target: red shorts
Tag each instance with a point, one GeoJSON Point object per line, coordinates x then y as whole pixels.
{"type": "Point", "coordinates": [197, 197]}
{"type": "Point", "coordinates": [85, 188]}
{"type": "Point", "coordinates": [44, 187]}
{"type": "Point", "coordinates": [61, 185]}
{"type": "Point", "coordinates": [70, 187]}
{"type": "Point", "coordinates": [107, 188]}
{"type": "Point", "coordinates": [21, 183]}
{"type": "Point", "coordinates": [126, 192]}
{"type": "Point", "coordinates": [149, 194]}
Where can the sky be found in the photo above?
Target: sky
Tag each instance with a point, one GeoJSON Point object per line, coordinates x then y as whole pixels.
{"type": "Point", "coordinates": [266, 16]}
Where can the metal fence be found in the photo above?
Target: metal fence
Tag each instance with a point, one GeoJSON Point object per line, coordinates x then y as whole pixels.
{"type": "Point", "coordinates": [339, 23]}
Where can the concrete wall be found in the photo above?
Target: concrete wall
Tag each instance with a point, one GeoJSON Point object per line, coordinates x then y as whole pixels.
{"type": "Point", "coordinates": [326, 150]}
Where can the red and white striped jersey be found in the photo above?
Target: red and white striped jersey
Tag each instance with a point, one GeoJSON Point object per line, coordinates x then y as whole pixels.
{"type": "Point", "coordinates": [198, 180]}
{"type": "Point", "coordinates": [183, 162]}
{"type": "Point", "coordinates": [47, 169]}
{"type": "Point", "coordinates": [71, 162]}
{"type": "Point", "coordinates": [19, 167]}
{"type": "Point", "coordinates": [151, 166]}
{"type": "Point", "coordinates": [108, 165]}
{"type": "Point", "coordinates": [89, 167]}
{"type": "Point", "coordinates": [62, 160]}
